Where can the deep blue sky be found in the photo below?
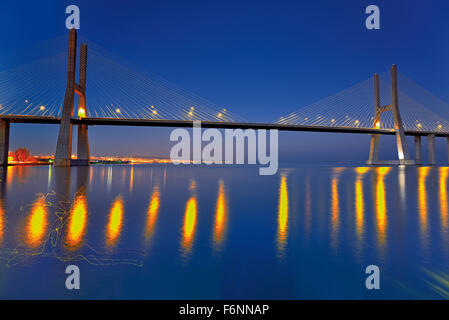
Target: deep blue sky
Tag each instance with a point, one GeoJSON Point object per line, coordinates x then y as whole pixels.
{"type": "Point", "coordinates": [263, 59]}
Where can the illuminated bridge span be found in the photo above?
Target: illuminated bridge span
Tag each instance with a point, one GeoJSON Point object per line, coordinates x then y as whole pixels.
{"type": "Point", "coordinates": [45, 91]}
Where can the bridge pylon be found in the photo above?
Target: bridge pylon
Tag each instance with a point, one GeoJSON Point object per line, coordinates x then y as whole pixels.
{"type": "Point", "coordinates": [403, 154]}
{"type": "Point", "coordinates": [63, 155]}
{"type": "Point", "coordinates": [83, 139]}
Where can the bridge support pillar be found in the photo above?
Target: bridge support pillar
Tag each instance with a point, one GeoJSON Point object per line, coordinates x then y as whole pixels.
{"type": "Point", "coordinates": [374, 146]}
{"type": "Point", "coordinates": [431, 149]}
{"type": "Point", "coordinates": [4, 142]}
{"type": "Point", "coordinates": [403, 155]}
{"type": "Point", "coordinates": [374, 150]}
{"type": "Point", "coordinates": [418, 150]}
{"type": "Point", "coordinates": [83, 138]}
{"type": "Point", "coordinates": [83, 146]}
{"type": "Point", "coordinates": [63, 153]}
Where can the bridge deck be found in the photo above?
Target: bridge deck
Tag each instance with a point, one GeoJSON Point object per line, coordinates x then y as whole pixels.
{"type": "Point", "coordinates": [209, 124]}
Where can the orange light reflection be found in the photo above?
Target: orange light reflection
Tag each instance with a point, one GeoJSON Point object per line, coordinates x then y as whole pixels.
{"type": "Point", "coordinates": [115, 222]}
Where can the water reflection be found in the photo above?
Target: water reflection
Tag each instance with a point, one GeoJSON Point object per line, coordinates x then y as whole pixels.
{"type": "Point", "coordinates": [2, 221]}
{"type": "Point", "coordinates": [189, 225]}
{"type": "Point", "coordinates": [335, 207]}
{"type": "Point", "coordinates": [282, 232]}
{"type": "Point", "coordinates": [36, 227]}
{"type": "Point", "coordinates": [18, 174]}
{"type": "Point", "coordinates": [402, 190]}
{"type": "Point", "coordinates": [115, 222]}
{"type": "Point", "coordinates": [152, 213]}
{"type": "Point", "coordinates": [221, 217]}
{"type": "Point", "coordinates": [381, 206]}
{"type": "Point", "coordinates": [359, 205]}
{"type": "Point", "coordinates": [444, 172]}
{"type": "Point", "coordinates": [77, 223]}
{"type": "Point", "coordinates": [308, 209]}
{"type": "Point", "coordinates": [109, 179]}
{"type": "Point", "coordinates": [351, 213]}
{"type": "Point", "coordinates": [423, 172]}
{"type": "Point", "coordinates": [131, 179]}
{"type": "Point", "coordinates": [49, 177]}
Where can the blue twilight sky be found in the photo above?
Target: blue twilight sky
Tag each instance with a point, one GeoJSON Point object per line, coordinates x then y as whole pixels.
{"type": "Point", "coordinates": [263, 59]}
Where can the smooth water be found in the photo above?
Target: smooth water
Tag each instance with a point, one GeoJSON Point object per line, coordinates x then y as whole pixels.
{"type": "Point", "coordinates": [166, 232]}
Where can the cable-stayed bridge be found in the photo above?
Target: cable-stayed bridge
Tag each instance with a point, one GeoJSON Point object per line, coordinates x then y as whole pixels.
{"type": "Point", "coordinates": [110, 91]}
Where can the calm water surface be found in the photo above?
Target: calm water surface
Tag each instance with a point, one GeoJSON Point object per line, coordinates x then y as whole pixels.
{"type": "Point", "coordinates": [165, 232]}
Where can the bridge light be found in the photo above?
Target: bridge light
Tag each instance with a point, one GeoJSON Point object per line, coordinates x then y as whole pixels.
{"type": "Point", "coordinates": [333, 120]}
{"type": "Point", "coordinates": [154, 111]}
{"type": "Point", "coordinates": [192, 108]}
{"type": "Point", "coordinates": [190, 113]}
{"type": "Point", "coordinates": [26, 101]}
{"type": "Point", "coordinates": [219, 114]}
{"type": "Point", "coordinates": [224, 110]}
{"type": "Point", "coordinates": [356, 121]}
{"type": "Point", "coordinates": [377, 124]}
{"type": "Point", "coordinates": [419, 125]}
{"type": "Point", "coordinates": [440, 126]}
{"type": "Point", "coordinates": [42, 107]}
{"type": "Point", "coordinates": [118, 110]}
{"type": "Point", "coordinates": [81, 112]}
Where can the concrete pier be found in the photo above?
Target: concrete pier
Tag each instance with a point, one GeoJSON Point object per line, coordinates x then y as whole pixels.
{"type": "Point", "coordinates": [83, 137]}
{"type": "Point", "coordinates": [4, 142]}
{"type": "Point", "coordinates": [431, 149]}
{"type": "Point", "coordinates": [403, 154]}
{"type": "Point", "coordinates": [418, 150]}
{"type": "Point", "coordinates": [374, 146]}
{"type": "Point", "coordinates": [83, 146]}
{"type": "Point", "coordinates": [63, 153]}
{"type": "Point", "coordinates": [374, 150]}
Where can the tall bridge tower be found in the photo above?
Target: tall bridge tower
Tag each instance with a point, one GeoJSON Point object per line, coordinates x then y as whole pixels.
{"type": "Point", "coordinates": [63, 155]}
{"type": "Point", "coordinates": [403, 154]}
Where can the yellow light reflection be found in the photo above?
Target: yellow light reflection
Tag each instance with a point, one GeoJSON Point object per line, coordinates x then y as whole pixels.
{"type": "Point", "coordinates": [188, 229]}
{"type": "Point", "coordinates": [152, 213]}
{"type": "Point", "coordinates": [381, 205]}
{"type": "Point", "coordinates": [422, 201]}
{"type": "Point", "coordinates": [444, 172]}
{"type": "Point", "coordinates": [37, 223]}
{"type": "Point", "coordinates": [131, 179]}
{"type": "Point", "coordinates": [76, 228]}
{"type": "Point", "coordinates": [359, 201]}
{"type": "Point", "coordinates": [282, 234]}
{"type": "Point", "coordinates": [115, 222]}
{"type": "Point", "coordinates": [10, 173]}
{"type": "Point", "coordinates": [221, 216]}
{"type": "Point", "coordinates": [335, 211]}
